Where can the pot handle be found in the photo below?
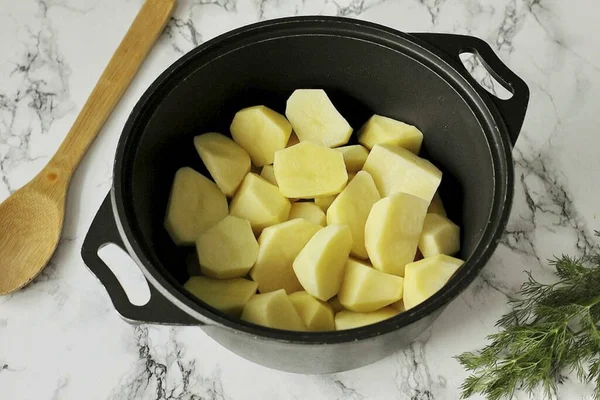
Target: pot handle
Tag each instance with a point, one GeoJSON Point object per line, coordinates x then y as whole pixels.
{"type": "Point", "coordinates": [158, 309]}
{"type": "Point", "coordinates": [513, 109]}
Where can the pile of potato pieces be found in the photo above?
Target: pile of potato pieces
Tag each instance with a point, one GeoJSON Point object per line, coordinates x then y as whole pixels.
{"type": "Point", "coordinates": [331, 236]}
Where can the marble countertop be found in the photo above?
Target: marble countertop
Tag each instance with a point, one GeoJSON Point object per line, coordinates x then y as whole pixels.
{"type": "Point", "coordinates": [60, 338]}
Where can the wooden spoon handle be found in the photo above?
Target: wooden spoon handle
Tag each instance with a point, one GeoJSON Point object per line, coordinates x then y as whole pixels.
{"type": "Point", "coordinates": [116, 77]}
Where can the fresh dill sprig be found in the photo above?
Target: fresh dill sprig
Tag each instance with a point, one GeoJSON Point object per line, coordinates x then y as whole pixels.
{"type": "Point", "coordinates": [551, 329]}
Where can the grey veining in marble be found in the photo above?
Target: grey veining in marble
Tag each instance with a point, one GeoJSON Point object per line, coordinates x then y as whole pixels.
{"type": "Point", "coordinates": [60, 337]}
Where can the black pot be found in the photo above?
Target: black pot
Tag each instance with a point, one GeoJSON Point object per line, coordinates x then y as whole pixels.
{"type": "Point", "coordinates": [366, 69]}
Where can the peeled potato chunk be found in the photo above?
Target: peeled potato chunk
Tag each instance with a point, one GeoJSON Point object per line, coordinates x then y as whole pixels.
{"type": "Point", "coordinates": [226, 161]}
{"type": "Point", "coordinates": [354, 157]}
{"type": "Point", "coordinates": [261, 132]}
{"type": "Point", "coordinates": [320, 265]}
{"type": "Point", "coordinates": [315, 118]}
{"type": "Point", "coordinates": [439, 236]}
{"type": "Point", "coordinates": [228, 249]}
{"type": "Point", "coordinates": [195, 204]}
{"type": "Point", "coordinates": [436, 206]}
{"type": "Point", "coordinates": [383, 130]}
{"type": "Point", "coordinates": [268, 174]}
{"type": "Point", "coordinates": [227, 295]}
{"type": "Point", "coordinates": [392, 231]}
{"type": "Point", "coordinates": [352, 207]}
{"type": "Point", "coordinates": [308, 170]}
{"type": "Point", "coordinates": [308, 211]}
{"type": "Point", "coordinates": [273, 310]}
{"type": "Point", "coordinates": [259, 202]}
{"type": "Point", "coordinates": [324, 201]}
{"type": "Point", "coordinates": [317, 315]}
{"type": "Point", "coordinates": [364, 289]}
{"type": "Point", "coordinates": [350, 319]}
{"type": "Point", "coordinates": [278, 247]}
{"type": "Point", "coordinates": [395, 169]}
{"type": "Point", "coordinates": [424, 278]}
{"type": "Point", "coordinates": [335, 304]}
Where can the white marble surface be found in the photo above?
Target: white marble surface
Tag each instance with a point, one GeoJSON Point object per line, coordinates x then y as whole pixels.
{"type": "Point", "coordinates": [60, 337]}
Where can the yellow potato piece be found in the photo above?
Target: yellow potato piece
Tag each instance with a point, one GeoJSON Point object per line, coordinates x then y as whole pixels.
{"type": "Point", "coordinates": [273, 310]}
{"type": "Point", "coordinates": [392, 231]}
{"type": "Point", "coordinates": [364, 289]}
{"type": "Point", "coordinates": [395, 169]}
{"type": "Point", "coordinates": [226, 295]}
{"type": "Point", "coordinates": [226, 161]}
{"type": "Point", "coordinates": [261, 132]}
{"type": "Point", "coordinates": [293, 140]}
{"type": "Point", "coordinates": [320, 265]}
{"type": "Point", "coordinates": [317, 315]}
{"type": "Point", "coordinates": [354, 157]}
{"type": "Point", "coordinates": [424, 278]}
{"type": "Point", "coordinates": [308, 211]}
{"type": "Point", "coordinates": [195, 204]}
{"type": "Point", "coordinates": [352, 207]}
{"type": "Point", "coordinates": [309, 170]}
{"type": "Point", "coordinates": [268, 174]}
{"type": "Point", "coordinates": [335, 304]}
{"type": "Point", "coordinates": [278, 247]}
{"type": "Point", "coordinates": [325, 201]}
{"type": "Point", "coordinates": [439, 236]}
{"type": "Point", "coordinates": [260, 202]}
{"type": "Point", "coordinates": [315, 118]}
{"type": "Point", "coordinates": [228, 249]}
{"type": "Point", "coordinates": [383, 130]}
{"type": "Point", "coordinates": [436, 206]}
{"type": "Point", "coordinates": [350, 319]}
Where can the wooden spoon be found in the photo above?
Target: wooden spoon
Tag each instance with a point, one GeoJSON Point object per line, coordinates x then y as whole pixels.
{"type": "Point", "coordinates": [31, 219]}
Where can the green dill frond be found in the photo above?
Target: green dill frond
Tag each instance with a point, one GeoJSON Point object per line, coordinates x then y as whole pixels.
{"type": "Point", "coordinates": [550, 329]}
{"type": "Point", "coordinates": [568, 267]}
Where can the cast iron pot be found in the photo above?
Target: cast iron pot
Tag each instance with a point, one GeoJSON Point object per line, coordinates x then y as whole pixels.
{"type": "Point", "coordinates": [366, 69]}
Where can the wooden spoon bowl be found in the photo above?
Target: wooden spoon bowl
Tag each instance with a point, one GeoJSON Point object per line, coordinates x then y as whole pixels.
{"type": "Point", "coordinates": [31, 221]}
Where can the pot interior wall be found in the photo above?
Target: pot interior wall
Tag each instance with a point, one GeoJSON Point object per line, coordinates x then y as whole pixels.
{"type": "Point", "coordinates": [361, 78]}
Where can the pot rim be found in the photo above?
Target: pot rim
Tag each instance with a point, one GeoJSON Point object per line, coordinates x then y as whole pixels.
{"type": "Point", "coordinates": [445, 66]}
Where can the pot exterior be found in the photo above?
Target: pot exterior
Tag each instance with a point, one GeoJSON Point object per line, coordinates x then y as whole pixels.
{"type": "Point", "coordinates": [319, 358]}
{"type": "Point", "coordinates": [469, 134]}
